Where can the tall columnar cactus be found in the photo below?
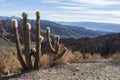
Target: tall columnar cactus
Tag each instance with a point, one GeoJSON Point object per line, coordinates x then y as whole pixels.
{"type": "Point", "coordinates": [38, 42]}
{"type": "Point", "coordinates": [56, 50]}
{"type": "Point", "coordinates": [26, 36]}
{"type": "Point", "coordinates": [16, 34]}
{"type": "Point", "coordinates": [28, 42]}
{"type": "Point", "coordinates": [24, 23]}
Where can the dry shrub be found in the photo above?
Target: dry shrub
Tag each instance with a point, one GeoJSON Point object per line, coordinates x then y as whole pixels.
{"type": "Point", "coordinates": [70, 57]}
{"type": "Point", "coordinates": [46, 61]}
{"type": "Point", "coordinates": [87, 56]}
{"type": "Point", "coordinates": [96, 56]}
{"type": "Point", "coordinates": [8, 61]}
{"type": "Point", "coordinates": [115, 56]}
{"type": "Point", "coordinates": [78, 56]}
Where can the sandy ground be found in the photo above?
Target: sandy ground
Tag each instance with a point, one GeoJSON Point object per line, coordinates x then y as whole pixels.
{"type": "Point", "coordinates": [89, 70]}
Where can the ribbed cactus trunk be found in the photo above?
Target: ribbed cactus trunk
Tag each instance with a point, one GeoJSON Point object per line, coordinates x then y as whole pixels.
{"type": "Point", "coordinates": [16, 34]}
{"type": "Point", "coordinates": [24, 23]}
{"type": "Point", "coordinates": [57, 44]}
{"type": "Point", "coordinates": [56, 51]}
{"type": "Point", "coordinates": [28, 42]}
{"type": "Point", "coordinates": [26, 36]}
{"type": "Point", "coordinates": [49, 41]}
{"type": "Point", "coordinates": [38, 45]}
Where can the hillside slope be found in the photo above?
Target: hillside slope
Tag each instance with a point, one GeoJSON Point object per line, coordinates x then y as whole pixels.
{"type": "Point", "coordinates": [105, 45]}
{"type": "Point", "coordinates": [6, 31]}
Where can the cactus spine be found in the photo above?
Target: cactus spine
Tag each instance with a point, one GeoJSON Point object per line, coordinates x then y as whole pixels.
{"type": "Point", "coordinates": [38, 43]}
{"type": "Point", "coordinates": [16, 34]}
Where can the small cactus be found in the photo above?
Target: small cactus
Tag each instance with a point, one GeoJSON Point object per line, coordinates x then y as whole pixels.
{"type": "Point", "coordinates": [49, 41]}
{"type": "Point", "coordinates": [56, 49]}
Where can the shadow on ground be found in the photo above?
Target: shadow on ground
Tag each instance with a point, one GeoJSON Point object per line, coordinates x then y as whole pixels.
{"type": "Point", "coordinates": [15, 75]}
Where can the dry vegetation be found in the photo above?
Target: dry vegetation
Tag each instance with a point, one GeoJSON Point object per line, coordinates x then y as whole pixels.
{"type": "Point", "coordinates": [97, 56]}
{"type": "Point", "coordinates": [11, 62]}
{"type": "Point", "coordinates": [8, 61]}
{"type": "Point", "coordinates": [115, 56]}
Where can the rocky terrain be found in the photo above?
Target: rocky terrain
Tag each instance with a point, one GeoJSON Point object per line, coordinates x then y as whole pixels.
{"type": "Point", "coordinates": [88, 70]}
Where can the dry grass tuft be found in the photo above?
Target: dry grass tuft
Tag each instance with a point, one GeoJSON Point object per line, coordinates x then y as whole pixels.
{"type": "Point", "coordinates": [87, 56]}
{"type": "Point", "coordinates": [70, 57]}
{"type": "Point", "coordinates": [8, 61]}
{"type": "Point", "coordinates": [115, 56]}
{"type": "Point", "coordinates": [96, 56]}
{"type": "Point", "coordinates": [78, 56]}
{"type": "Point", "coordinates": [46, 61]}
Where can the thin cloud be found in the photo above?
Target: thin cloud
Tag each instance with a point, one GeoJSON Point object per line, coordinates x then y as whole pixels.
{"type": "Point", "coordinates": [71, 8]}
{"type": "Point", "coordinates": [67, 10]}
{"type": "Point", "coordinates": [98, 2]}
{"type": "Point", "coordinates": [117, 13]}
{"type": "Point", "coordinates": [51, 1]}
{"type": "Point", "coordinates": [69, 4]}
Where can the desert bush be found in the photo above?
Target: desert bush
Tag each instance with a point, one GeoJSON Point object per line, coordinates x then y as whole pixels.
{"type": "Point", "coordinates": [71, 57]}
{"type": "Point", "coordinates": [46, 61]}
{"type": "Point", "coordinates": [8, 61]}
{"type": "Point", "coordinates": [87, 56]}
{"type": "Point", "coordinates": [115, 56]}
{"type": "Point", "coordinates": [96, 56]}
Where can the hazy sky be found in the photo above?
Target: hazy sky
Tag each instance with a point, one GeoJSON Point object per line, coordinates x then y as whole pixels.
{"type": "Point", "coordinates": [64, 10]}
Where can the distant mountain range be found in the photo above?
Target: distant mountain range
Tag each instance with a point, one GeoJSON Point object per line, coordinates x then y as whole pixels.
{"type": "Point", "coordinates": [9, 18]}
{"type": "Point", "coordinates": [107, 27]}
{"type": "Point", "coordinates": [56, 29]}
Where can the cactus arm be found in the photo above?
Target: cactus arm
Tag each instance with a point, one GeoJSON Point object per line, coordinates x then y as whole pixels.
{"type": "Point", "coordinates": [41, 39]}
{"type": "Point", "coordinates": [16, 34]}
{"type": "Point", "coordinates": [49, 41]}
{"type": "Point", "coordinates": [37, 39]}
{"type": "Point", "coordinates": [57, 44]}
{"type": "Point", "coordinates": [26, 39]}
{"type": "Point", "coordinates": [28, 42]}
{"type": "Point", "coordinates": [58, 56]}
{"type": "Point", "coordinates": [24, 15]}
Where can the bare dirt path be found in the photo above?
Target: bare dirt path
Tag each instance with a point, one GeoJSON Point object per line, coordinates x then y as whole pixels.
{"type": "Point", "coordinates": [89, 70]}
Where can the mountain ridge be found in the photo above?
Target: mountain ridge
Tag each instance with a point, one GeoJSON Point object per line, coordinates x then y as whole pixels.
{"type": "Point", "coordinates": [6, 30]}
{"type": "Point", "coordinates": [107, 27]}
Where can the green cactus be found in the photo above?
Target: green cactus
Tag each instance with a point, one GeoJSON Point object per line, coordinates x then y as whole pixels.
{"type": "Point", "coordinates": [16, 34]}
